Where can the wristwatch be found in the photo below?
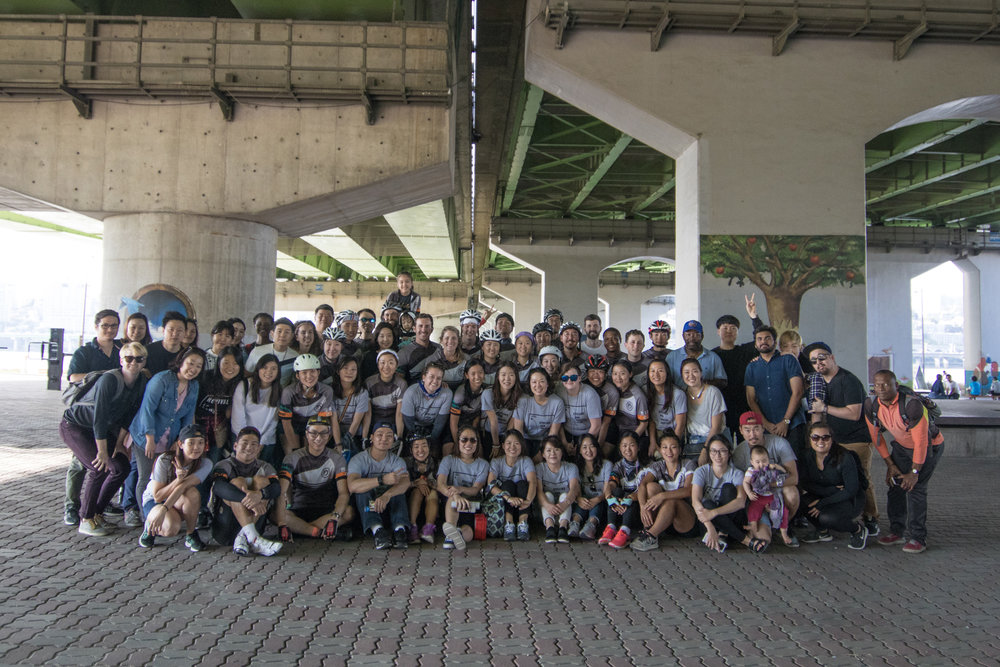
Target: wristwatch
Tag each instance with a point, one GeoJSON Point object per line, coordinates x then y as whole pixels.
{"type": "Point", "coordinates": [914, 471]}
{"type": "Point", "coordinates": [787, 421]}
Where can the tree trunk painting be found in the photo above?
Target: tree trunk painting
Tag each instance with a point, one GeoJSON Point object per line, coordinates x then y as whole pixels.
{"type": "Point", "coordinates": [784, 268]}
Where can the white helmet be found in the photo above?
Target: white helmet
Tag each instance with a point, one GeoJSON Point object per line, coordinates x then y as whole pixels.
{"type": "Point", "coordinates": [470, 316]}
{"type": "Point", "coordinates": [306, 362]}
{"type": "Point", "coordinates": [490, 334]}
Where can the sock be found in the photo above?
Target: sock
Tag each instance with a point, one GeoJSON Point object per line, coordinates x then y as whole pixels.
{"type": "Point", "coordinates": [626, 530]}
{"type": "Point", "coordinates": [523, 523]}
{"type": "Point", "coordinates": [250, 530]}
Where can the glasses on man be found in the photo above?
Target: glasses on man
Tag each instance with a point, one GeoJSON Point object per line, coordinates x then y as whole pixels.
{"type": "Point", "coordinates": [570, 378]}
{"type": "Point", "coordinates": [322, 433]}
{"type": "Point", "coordinates": [129, 359]}
{"type": "Point", "coordinates": [818, 438]}
{"type": "Point", "coordinates": [818, 358]}
{"type": "Point", "coordinates": [108, 327]}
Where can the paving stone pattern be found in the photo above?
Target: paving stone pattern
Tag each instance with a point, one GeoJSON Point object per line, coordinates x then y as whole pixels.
{"type": "Point", "coordinates": [70, 600]}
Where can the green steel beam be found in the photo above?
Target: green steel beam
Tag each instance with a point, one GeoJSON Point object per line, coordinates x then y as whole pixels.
{"type": "Point", "coordinates": [568, 161]}
{"type": "Point", "coordinates": [989, 156]}
{"type": "Point", "coordinates": [947, 202]}
{"type": "Point", "coordinates": [35, 222]}
{"type": "Point", "coordinates": [656, 194]}
{"type": "Point", "coordinates": [964, 219]}
{"type": "Point", "coordinates": [609, 161]}
{"type": "Point", "coordinates": [524, 132]}
{"type": "Point", "coordinates": [287, 275]}
{"type": "Point", "coordinates": [922, 140]}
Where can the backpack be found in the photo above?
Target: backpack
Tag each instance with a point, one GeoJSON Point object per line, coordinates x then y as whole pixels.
{"type": "Point", "coordinates": [906, 394]}
{"type": "Point", "coordinates": [82, 392]}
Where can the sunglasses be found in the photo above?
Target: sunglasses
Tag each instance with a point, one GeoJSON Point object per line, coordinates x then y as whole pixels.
{"type": "Point", "coordinates": [129, 359]}
{"type": "Point", "coordinates": [818, 358]}
{"type": "Point", "coordinates": [368, 319]}
{"type": "Point", "coordinates": [472, 440]}
{"type": "Point", "coordinates": [317, 434]}
{"type": "Point", "coordinates": [824, 438]}
{"type": "Point", "coordinates": [570, 378]}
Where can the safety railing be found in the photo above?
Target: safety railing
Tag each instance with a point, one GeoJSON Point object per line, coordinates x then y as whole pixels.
{"type": "Point", "coordinates": [92, 57]}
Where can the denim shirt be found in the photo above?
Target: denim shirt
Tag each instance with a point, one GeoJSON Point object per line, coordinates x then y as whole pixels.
{"type": "Point", "coordinates": [159, 412]}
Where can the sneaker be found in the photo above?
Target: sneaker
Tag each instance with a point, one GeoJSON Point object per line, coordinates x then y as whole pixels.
{"type": "Point", "coordinates": [589, 531]}
{"type": "Point", "coordinates": [645, 542]}
{"type": "Point", "coordinates": [620, 540]}
{"type": "Point", "coordinates": [92, 528]}
{"type": "Point", "coordinates": [891, 539]}
{"type": "Point", "coordinates": [574, 530]}
{"type": "Point", "coordinates": [146, 540]}
{"type": "Point", "coordinates": [264, 547]}
{"type": "Point", "coordinates": [454, 534]}
{"type": "Point", "coordinates": [427, 534]}
{"type": "Point", "coordinates": [563, 535]}
{"type": "Point", "coordinates": [793, 542]}
{"type": "Point", "coordinates": [132, 518]}
{"type": "Point", "coordinates": [103, 522]}
{"type": "Point", "coordinates": [608, 534]}
{"type": "Point", "coordinates": [400, 538]}
{"type": "Point", "coordinates": [509, 533]}
{"type": "Point", "coordinates": [240, 545]}
{"type": "Point", "coordinates": [345, 533]}
{"type": "Point", "coordinates": [859, 538]}
{"type": "Point", "coordinates": [448, 544]}
{"type": "Point", "coordinates": [871, 523]}
{"type": "Point", "coordinates": [71, 517]}
{"type": "Point", "coordinates": [523, 533]}
{"type": "Point", "coordinates": [914, 547]}
{"type": "Point", "coordinates": [114, 510]}
{"type": "Point", "coordinates": [813, 536]}
{"type": "Point", "coordinates": [204, 519]}
{"type": "Point", "coordinates": [551, 535]}
{"type": "Point", "coordinates": [382, 539]}
{"type": "Point", "coordinates": [193, 542]}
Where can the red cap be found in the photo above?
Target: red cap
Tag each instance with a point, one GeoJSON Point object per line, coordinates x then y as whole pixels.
{"type": "Point", "coordinates": [751, 418]}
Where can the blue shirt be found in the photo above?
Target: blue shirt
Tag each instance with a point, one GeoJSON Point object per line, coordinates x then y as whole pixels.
{"type": "Point", "coordinates": [91, 357]}
{"type": "Point", "coordinates": [711, 365]}
{"type": "Point", "coordinates": [771, 381]}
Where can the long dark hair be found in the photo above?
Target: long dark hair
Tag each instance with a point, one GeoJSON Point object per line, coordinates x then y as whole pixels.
{"type": "Point", "coordinates": [836, 451]}
{"type": "Point", "coordinates": [510, 402]}
{"type": "Point", "coordinates": [338, 388]}
{"type": "Point", "coordinates": [176, 455]}
{"type": "Point", "coordinates": [254, 383]}
{"type": "Point", "coordinates": [470, 364]}
{"type": "Point", "coordinates": [317, 344]}
{"type": "Point", "coordinates": [215, 384]}
{"type": "Point", "coordinates": [668, 386]}
{"type": "Point", "coordinates": [190, 351]}
{"type": "Point", "coordinates": [598, 459]}
{"type": "Point", "coordinates": [148, 338]}
{"type": "Point", "coordinates": [395, 336]}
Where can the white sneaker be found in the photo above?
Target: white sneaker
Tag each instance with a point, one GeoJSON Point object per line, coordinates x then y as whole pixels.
{"type": "Point", "coordinates": [92, 528]}
{"type": "Point", "coordinates": [240, 545]}
{"type": "Point", "coordinates": [264, 547]}
{"type": "Point", "coordinates": [454, 534]}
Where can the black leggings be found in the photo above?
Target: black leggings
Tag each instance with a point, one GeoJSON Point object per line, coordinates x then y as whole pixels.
{"type": "Point", "coordinates": [841, 517]}
{"type": "Point", "coordinates": [730, 525]}
{"type": "Point", "coordinates": [517, 490]}
{"type": "Point", "coordinates": [630, 519]}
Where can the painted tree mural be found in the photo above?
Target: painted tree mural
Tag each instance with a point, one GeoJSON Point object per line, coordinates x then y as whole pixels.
{"type": "Point", "coordinates": [785, 267]}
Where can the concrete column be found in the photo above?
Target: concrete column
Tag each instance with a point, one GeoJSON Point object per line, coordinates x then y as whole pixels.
{"type": "Point", "coordinates": [688, 193]}
{"type": "Point", "coordinates": [527, 299]}
{"type": "Point", "coordinates": [224, 267]}
{"type": "Point", "coordinates": [989, 278]}
{"type": "Point", "coordinates": [890, 312]}
{"type": "Point", "coordinates": [973, 308]}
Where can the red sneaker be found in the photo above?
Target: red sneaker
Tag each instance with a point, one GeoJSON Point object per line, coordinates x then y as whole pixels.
{"type": "Point", "coordinates": [621, 540]}
{"type": "Point", "coordinates": [609, 534]}
{"type": "Point", "coordinates": [914, 547]}
{"type": "Point", "coordinates": [890, 539]}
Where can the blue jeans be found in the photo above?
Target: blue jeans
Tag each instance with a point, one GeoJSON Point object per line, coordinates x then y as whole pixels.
{"type": "Point", "coordinates": [598, 511]}
{"type": "Point", "coordinates": [129, 501]}
{"type": "Point", "coordinates": [396, 512]}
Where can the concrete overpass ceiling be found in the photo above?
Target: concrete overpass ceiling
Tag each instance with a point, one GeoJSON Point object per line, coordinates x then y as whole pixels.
{"type": "Point", "coordinates": [428, 235]}
{"type": "Point", "coordinates": [292, 267]}
{"type": "Point", "coordinates": [940, 174]}
{"type": "Point", "coordinates": [303, 10]}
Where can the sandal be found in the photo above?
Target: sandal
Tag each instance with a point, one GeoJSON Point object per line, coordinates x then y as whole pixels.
{"type": "Point", "coordinates": [330, 530]}
{"type": "Point", "coordinates": [757, 545]}
{"type": "Point", "coordinates": [284, 533]}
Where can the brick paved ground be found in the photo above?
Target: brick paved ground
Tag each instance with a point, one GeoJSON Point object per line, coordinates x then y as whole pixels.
{"type": "Point", "coordinates": [66, 599]}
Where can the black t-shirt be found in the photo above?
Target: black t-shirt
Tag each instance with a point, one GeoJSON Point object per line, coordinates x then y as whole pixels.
{"type": "Point", "coordinates": [735, 362]}
{"type": "Point", "coordinates": [159, 358]}
{"type": "Point", "coordinates": [843, 390]}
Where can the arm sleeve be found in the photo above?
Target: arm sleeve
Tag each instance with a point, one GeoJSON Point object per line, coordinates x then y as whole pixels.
{"type": "Point", "coordinates": [151, 399]}
{"type": "Point", "coordinates": [224, 489]}
{"type": "Point", "coordinates": [849, 475]}
{"type": "Point", "coordinates": [272, 490]}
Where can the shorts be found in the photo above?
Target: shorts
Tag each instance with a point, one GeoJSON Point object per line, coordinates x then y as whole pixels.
{"type": "Point", "coordinates": [310, 514]}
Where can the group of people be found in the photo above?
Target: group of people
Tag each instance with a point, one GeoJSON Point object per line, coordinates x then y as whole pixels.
{"type": "Point", "coordinates": [326, 427]}
{"type": "Point", "coordinates": [945, 387]}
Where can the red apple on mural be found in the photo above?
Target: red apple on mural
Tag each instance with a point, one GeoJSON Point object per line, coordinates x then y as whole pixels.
{"type": "Point", "coordinates": [751, 240]}
{"type": "Point", "coordinates": [793, 246]}
{"type": "Point", "coordinates": [849, 275]}
{"type": "Point", "coordinates": [719, 270]}
{"type": "Point", "coordinates": [814, 260]}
